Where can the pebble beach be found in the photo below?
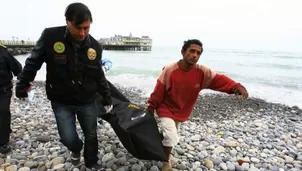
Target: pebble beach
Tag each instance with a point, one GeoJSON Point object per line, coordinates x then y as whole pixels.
{"type": "Point", "coordinates": [223, 133]}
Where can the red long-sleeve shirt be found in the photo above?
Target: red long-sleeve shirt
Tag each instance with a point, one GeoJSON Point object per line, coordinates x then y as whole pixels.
{"type": "Point", "coordinates": [176, 91]}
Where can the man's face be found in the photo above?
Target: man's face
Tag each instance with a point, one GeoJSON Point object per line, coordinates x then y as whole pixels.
{"type": "Point", "coordinates": [79, 32]}
{"type": "Point", "coordinates": [192, 54]}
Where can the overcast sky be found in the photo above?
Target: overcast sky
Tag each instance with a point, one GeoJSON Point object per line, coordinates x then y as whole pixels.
{"type": "Point", "coordinates": [236, 24]}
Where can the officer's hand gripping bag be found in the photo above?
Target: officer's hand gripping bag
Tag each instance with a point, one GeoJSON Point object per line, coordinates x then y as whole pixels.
{"type": "Point", "coordinates": [136, 129]}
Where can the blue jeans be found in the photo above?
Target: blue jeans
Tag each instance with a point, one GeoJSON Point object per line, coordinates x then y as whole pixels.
{"type": "Point", "coordinates": [87, 116]}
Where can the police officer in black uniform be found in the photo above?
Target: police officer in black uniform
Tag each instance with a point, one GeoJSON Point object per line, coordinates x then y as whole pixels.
{"type": "Point", "coordinates": [8, 66]}
{"type": "Point", "coordinates": [74, 79]}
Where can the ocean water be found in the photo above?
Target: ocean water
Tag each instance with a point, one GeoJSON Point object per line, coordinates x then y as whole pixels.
{"type": "Point", "coordinates": [272, 76]}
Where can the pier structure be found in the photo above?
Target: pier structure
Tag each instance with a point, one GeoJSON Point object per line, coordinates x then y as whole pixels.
{"type": "Point", "coordinates": [127, 43]}
{"type": "Point", "coordinates": [118, 42]}
{"type": "Point", "coordinates": [18, 47]}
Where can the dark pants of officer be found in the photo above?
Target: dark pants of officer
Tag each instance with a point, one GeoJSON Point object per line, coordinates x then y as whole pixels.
{"type": "Point", "coordinates": [66, 122]}
{"type": "Point", "coordinates": [5, 115]}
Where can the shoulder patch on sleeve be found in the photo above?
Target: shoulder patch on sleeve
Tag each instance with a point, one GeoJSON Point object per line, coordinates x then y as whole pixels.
{"type": "Point", "coordinates": [166, 72]}
{"type": "Point", "coordinates": [1, 45]}
{"type": "Point", "coordinates": [171, 67]}
{"type": "Point", "coordinates": [208, 75]}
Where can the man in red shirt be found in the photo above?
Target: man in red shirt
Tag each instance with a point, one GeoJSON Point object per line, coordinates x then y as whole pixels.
{"type": "Point", "coordinates": [177, 90]}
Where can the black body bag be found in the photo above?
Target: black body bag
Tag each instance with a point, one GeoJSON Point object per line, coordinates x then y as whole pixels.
{"type": "Point", "coordinates": [135, 127]}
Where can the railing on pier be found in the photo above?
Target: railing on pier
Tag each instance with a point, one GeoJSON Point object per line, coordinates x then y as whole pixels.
{"type": "Point", "coordinates": [126, 47]}
{"type": "Point", "coordinates": [17, 43]}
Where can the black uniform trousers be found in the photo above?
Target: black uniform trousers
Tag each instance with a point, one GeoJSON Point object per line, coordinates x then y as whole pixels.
{"type": "Point", "coordinates": [5, 116]}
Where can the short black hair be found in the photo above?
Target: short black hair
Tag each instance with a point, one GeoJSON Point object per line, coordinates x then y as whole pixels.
{"type": "Point", "coordinates": [190, 42]}
{"type": "Point", "coordinates": [78, 13]}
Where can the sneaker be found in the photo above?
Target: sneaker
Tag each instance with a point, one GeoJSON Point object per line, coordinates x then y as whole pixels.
{"type": "Point", "coordinates": [75, 158]}
{"type": "Point", "coordinates": [5, 148]}
{"type": "Point", "coordinates": [96, 167]}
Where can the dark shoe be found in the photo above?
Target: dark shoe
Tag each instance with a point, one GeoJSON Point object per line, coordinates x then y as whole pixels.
{"type": "Point", "coordinates": [75, 158]}
{"type": "Point", "coordinates": [96, 167]}
{"type": "Point", "coordinates": [100, 121]}
{"type": "Point", "coordinates": [5, 148]}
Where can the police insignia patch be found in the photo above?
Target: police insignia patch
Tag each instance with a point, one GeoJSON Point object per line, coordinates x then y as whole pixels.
{"type": "Point", "coordinates": [59, 47]}
{"type": "Point", "coordinates": [91, 53]}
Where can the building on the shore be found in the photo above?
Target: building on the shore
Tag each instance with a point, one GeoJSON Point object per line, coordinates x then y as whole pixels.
{"type": "Point", "coordinates": [119, 42]}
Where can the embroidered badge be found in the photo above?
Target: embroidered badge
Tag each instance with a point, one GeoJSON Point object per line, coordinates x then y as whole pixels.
{"type": "Point", "coordinates": [91, 53]}
{"type": "Point", "coordinates": [59, 47]}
